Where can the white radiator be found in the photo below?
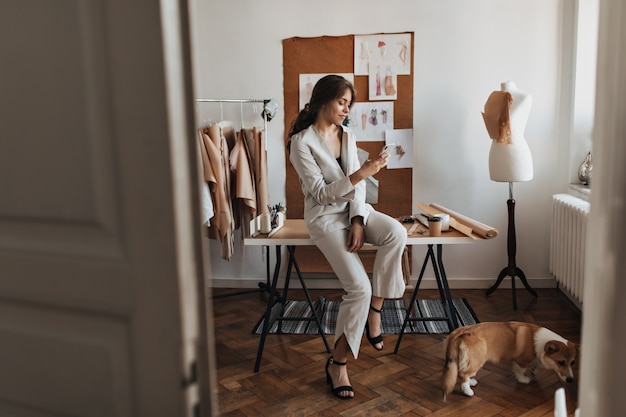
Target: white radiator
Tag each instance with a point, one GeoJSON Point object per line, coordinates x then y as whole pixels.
{"type": "Point", "coordinates": [567, 243]}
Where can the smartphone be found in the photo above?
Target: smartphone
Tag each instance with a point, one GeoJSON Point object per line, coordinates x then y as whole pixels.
{"type": "Point", "coordinates": [387, 147]}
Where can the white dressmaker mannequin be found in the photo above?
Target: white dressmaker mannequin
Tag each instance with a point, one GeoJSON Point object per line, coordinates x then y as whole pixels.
{"type": "Point", "coordinates": [510, 161]}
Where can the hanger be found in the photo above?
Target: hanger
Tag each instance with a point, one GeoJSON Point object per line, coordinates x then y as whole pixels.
{"type": "Point", "coordinates": [254, 113]}
{"type": "Point", "coordinates": [241, 113]}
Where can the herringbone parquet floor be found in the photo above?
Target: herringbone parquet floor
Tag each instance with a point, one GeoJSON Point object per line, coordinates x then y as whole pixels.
{"type": "Point", "coordinates": [291, 380]}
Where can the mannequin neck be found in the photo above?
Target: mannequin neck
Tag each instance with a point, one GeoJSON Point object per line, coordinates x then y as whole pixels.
{"type": "Point", "coordinates": [508, 86]}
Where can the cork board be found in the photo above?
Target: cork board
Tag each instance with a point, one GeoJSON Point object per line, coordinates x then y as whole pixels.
{"type": "Point", "coordinates": [329, 55]}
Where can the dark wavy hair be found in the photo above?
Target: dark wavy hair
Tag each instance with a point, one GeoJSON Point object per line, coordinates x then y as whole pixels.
{"type": "Point", "coordinates": [327, 89]}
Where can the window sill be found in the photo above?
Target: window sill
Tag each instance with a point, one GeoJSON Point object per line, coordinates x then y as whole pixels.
{"type": "Point", "coordinates": [580, 191]}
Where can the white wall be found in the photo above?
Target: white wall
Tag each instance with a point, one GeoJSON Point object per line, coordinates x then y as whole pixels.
{"type": "Point", "coordinates": [462, 51]}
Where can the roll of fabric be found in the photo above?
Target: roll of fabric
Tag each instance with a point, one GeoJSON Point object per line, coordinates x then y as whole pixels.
{"type": "Point", "coordinates": [479, 228]}
{"type": "Point", "coordinates": [431, 211]}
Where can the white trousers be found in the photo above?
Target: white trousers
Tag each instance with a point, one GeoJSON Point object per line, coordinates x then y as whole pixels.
{"type": "Point", "coordinates": [387, 281]}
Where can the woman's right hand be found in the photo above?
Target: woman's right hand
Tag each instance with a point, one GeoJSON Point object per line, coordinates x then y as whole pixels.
{"type": "Point", "coordinates": [370, 167]}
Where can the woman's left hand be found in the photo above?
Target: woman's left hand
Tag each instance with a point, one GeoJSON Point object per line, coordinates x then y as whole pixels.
{"type": "Point", "coordinates": [356, 237]}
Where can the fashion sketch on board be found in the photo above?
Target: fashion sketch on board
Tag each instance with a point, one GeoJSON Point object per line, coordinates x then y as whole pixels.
{"type": "Point", "coordinates": [392, 48]}
{"type": "Point", "coordinates": [383, 81]}
{"type": "Point", "coordinates": [370, 120]}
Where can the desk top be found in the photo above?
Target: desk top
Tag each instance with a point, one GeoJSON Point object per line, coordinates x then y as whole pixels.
{"type": "Point", "coordinates": [294, 233]}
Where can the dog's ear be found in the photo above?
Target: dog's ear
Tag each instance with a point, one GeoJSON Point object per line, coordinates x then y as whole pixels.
{"type": "Point", "coordinates": [575, 346]}
{"type": "Point", "coordinates": [551, 347]}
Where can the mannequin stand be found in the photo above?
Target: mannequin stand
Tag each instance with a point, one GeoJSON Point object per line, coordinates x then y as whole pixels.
{"type": "Point", "coordinates": [511, 269]}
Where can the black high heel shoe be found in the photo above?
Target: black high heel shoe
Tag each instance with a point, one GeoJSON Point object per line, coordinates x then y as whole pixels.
{"type": "Point", "coordinates": [377, 339]}
{"type": "Point", "coordinates": [329, 381]}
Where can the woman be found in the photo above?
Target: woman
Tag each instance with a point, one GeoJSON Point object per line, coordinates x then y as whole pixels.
{"type": "Point", "coordinates": [324, 154]}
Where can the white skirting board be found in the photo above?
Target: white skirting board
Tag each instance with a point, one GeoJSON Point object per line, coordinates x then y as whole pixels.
{"type": "Point", "coordinates": [328, 281]}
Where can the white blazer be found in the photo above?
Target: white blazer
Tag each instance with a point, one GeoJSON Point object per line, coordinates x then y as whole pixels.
{"type": "Point", "coordinates": [330, 199]}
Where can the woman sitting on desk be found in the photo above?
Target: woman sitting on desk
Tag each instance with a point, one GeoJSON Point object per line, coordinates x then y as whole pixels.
{"type": "Point", "coordinates": [324, 154]}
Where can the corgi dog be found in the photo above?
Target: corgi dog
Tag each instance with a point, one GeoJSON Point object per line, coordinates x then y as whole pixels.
{"type": "Point", "coordinates": [527, 345]}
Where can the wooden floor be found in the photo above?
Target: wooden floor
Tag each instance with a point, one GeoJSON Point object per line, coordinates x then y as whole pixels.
{"type": "Point", "coordinates": [291, 380]}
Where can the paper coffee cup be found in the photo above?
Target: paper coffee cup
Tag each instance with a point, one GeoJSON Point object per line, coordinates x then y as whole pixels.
{"type": "Point", "coordinates": [434, 226]}
{"type": "Point", "coordinates": [445, 221]}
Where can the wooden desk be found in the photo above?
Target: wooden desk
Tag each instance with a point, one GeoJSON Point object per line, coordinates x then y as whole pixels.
{"type": "Point", "coordinates": [294, 233]}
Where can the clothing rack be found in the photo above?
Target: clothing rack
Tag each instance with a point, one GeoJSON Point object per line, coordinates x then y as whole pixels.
{"type": "Point", "coordinates": [264, 113]}
{"type": "Point", "coordinates": [237, 100]}
{"type": "Point", "coordinates": [262, 286]}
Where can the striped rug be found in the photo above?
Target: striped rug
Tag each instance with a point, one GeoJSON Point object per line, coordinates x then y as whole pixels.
{"type": "Point", "coordinates": [394, 312]}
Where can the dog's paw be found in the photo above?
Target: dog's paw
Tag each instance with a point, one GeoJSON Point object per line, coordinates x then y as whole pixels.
{"type": "Point", "coordinates": [473, 382]}
{"type": "Point", "coordinates": [465, 387]}
{"type": "Point", "coordinates": [523, 375]}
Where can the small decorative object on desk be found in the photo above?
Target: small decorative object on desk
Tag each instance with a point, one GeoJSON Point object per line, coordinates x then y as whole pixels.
{"type": "Point", "coordinates": [584, 172]}
{"type": "Point", "coordinates": [277, 212]}
{"type": "Point", "coordinates": [277, 216]}
{"type": "Point", "coordinates": [268, 222]}
{"type": "Point", "coordinates": [281, 209]}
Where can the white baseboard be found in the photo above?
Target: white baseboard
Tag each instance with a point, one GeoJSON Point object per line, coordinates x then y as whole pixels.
{"type": "Point", "coordinates": [328, 281]}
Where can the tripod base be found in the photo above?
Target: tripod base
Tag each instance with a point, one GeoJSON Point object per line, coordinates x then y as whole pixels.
{"type": "Point", "coordinates": [512, 271]}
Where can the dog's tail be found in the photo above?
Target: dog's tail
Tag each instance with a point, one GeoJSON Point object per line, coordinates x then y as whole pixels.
{"type": "Point", "coordinates": [451, 368]}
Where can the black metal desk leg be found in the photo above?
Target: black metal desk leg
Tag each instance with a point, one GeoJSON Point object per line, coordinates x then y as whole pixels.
{"type": "Point", "coordinates": [268, 284]}
{"type": "Point", "coordinates": [268, 311]}
{"type": "Point", "coordinates": [446, 287]}
{"type": "Point", "coordinates": [292, 256]}
{"type": "Point", "coordinates": [283, 299]}
{"type": "Point", "coordinates": [443, 296]}
{"type": "Point", "coordinates": [411, 302]}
